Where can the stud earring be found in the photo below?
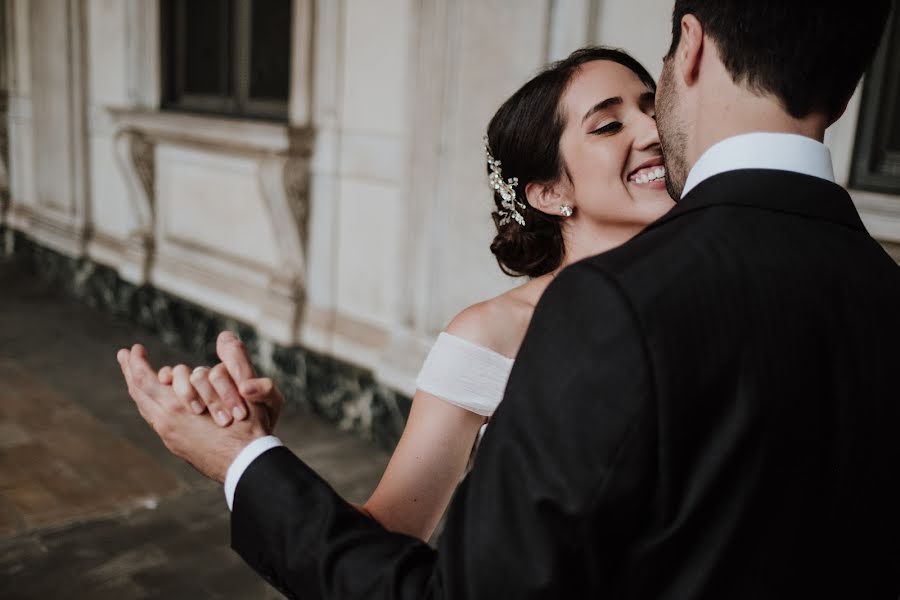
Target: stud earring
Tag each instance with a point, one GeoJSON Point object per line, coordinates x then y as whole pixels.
{"type": "Point", "coordinates": [565, 210]}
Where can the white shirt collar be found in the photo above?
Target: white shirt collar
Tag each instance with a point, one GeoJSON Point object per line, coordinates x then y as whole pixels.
{"type": "Point", "coordinates": [778, 151]}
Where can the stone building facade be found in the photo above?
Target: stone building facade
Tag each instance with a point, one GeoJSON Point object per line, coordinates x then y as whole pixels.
{"type": "Point", "coordinates": [339, 237]}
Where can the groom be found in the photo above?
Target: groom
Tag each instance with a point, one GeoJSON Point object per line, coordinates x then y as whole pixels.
{"type": "Point", "coordinates": [710, 411]}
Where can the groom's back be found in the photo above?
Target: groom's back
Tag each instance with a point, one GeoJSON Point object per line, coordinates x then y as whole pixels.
{"type": "Point", "coordinates": [772, 322]}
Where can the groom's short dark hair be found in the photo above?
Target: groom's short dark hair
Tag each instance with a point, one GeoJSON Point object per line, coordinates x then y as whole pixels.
{"type": "Point", "coordinates": [809, 53]}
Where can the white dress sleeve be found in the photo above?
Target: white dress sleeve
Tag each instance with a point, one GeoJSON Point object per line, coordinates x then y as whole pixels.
{"type": "Point", "coordinates": [465, 374]}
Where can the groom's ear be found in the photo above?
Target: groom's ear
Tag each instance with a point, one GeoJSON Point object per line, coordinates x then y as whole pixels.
{"type": "Point", "coordinates": [690, 50]}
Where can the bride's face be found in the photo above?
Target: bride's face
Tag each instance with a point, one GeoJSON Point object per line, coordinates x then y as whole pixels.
{"type": "Point", "coordinates": [611, 149]}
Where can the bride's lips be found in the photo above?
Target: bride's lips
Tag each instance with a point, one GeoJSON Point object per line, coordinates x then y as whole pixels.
{"type": "Point", "coordinates": [653, 162]}
{"type": "Point", "coordinates": [653, 168]}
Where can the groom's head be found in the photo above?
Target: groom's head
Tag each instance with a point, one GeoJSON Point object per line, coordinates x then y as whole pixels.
{"type": "Point", "coordinates": [791, 63]}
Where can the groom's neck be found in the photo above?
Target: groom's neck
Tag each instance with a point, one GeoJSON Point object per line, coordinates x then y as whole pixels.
{"type": "Point", "coordinates": [733, 110]}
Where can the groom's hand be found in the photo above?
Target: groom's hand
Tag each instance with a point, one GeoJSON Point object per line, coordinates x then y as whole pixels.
{"type": "Point", "coordinates": [192, 437]}
{"type": "Point", "coordinates": [224, 388]}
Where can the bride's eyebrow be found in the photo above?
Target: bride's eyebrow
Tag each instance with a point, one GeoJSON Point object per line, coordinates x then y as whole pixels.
{"type": "Point", "coordinates": [615, 101]}
{"type": "Point", "coordinates": [647, 99]}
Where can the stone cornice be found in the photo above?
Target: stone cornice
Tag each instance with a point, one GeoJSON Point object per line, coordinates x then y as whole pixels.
{"type": "Point", "coordinates": [880, 214]}
{"type": "Point", "coordinates": [218, 133]}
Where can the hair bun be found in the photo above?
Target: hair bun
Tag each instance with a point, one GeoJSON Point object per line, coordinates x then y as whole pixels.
{"type": "Point", "coordinates": [531, 251]}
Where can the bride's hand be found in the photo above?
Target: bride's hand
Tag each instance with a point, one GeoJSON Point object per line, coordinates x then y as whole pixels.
{"type": "Point", "coordinates": [262, 391]}
{"type": "Point", "coordinates": [224, 388]}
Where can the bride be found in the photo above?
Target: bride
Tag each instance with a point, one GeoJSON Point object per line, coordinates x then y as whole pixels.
{"type": "Point", "coordinates": [575, 166]}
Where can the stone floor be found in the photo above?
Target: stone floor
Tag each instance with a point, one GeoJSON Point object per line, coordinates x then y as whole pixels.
{"type": "Point", "coordinates": [91, 504]}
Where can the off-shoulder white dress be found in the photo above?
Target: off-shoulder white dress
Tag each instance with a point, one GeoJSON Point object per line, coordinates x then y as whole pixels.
{"type": "Point", "coordinates": [465, 374]}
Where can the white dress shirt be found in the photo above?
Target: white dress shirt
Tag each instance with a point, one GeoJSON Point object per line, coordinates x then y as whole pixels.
{"type": "Point", "coordinates": [778, 151]}
{"type": "Point", "coordinates": [250, 453]}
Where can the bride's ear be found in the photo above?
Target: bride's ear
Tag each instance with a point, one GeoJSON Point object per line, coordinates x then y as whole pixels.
{"type": "Point", "coordinates": [547, 197]}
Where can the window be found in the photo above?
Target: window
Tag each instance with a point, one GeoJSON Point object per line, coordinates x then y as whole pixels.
{"type": "Point", "coordinates": [876, 157]}
{"type": "Point", "coordinates": [229, 57]}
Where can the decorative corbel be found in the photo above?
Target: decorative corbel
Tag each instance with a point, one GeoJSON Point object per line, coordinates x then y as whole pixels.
{"type": "Point", "coordinates": [284, 183]}
{"type": "Point", "coordinates": [135, 156]}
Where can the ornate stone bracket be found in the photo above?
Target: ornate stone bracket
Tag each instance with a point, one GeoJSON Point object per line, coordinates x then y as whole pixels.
{"type": "Point", "coordinates": [296, 188]}
{"type": "Point", "coordinates": [135, 157]}
{"type": "Point", "coordinates": [284, 182]}
{"type": "Point", "coordinates": [282, 155]}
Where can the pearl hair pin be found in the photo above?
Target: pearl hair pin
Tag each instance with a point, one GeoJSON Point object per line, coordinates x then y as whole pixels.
{"type": "Point", "coordinates": [507, 190]}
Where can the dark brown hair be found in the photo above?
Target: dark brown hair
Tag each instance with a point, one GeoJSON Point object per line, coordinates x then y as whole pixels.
{"type": "Point", "coordinates": [524, 136]}
{"type": "Point", "coordinates": [808, 53]}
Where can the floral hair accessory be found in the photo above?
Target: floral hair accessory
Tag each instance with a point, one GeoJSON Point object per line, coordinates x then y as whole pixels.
{"type": "Point", "coordinates": [510, 206]}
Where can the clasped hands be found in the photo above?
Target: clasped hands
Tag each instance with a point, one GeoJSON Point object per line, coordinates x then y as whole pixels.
{"type": "Point", "coordinates": [205, 416]}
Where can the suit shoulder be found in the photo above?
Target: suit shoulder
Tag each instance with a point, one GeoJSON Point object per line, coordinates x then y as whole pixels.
{"type": "Point", "coordinates": [586, 294]}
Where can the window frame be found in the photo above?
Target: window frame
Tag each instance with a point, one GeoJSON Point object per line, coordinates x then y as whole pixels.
{"type": "Point", "coordinates": [238, 104]}
{"type": "Point", "coordinates": [875, 167]}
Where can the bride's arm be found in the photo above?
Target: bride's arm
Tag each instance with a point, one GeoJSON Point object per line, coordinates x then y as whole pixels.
{"type": "Point", "coordinates": [433, 452]}
{"type": "Point", "coordinates": [426, 467]}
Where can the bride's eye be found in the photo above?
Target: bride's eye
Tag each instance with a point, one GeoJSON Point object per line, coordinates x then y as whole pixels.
{"type": "Point", "coordinates": [609, 128]}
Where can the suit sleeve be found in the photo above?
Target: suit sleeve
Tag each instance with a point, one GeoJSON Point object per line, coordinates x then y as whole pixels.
{"type": "Point", "coordinates": [550, 510]}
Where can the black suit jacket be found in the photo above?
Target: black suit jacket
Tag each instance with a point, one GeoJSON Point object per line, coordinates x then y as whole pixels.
{"type": "Point", "coordinates": [711, 411]}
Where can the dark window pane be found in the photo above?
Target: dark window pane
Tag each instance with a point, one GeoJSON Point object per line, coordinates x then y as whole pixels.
{"type": "Point", "coordinates": [206, 36]}
{"type": "Point", "coordinates": [890, 110]}
{"type": "Point", "coordinates": [270, 49]}
{"type": "Point", "coordinates": [876, 162]}
{"type": "Point", "coordinates": [894, 142]}
{"type": "Point", "coordinates": [228, 57]}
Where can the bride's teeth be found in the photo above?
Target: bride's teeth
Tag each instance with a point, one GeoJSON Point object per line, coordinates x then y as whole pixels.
{"type": "Point", "coordinates": [648, 175]}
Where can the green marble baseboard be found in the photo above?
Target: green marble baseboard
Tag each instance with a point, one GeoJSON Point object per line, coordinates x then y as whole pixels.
{"type": "Point", "coordinates": [340, 392]}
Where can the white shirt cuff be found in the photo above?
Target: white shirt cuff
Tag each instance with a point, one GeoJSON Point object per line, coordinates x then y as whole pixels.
{"type": "Point", "coordinates": [250, 453]}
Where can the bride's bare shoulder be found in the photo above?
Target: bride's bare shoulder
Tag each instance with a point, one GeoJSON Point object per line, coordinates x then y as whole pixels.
{"type": "Point", "coordinates": [498, 324]}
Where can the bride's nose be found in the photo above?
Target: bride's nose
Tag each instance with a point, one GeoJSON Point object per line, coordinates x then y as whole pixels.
{"type": "Point", "coordinates": [646, 135]}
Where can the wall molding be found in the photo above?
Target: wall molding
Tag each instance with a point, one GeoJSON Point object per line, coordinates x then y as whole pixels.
{"type": "Point", "coordinates": [271, 298]}
{"type": "Point", "coordinates": [302, 44]}
{"type": "Point", "coordinates": [59, 212]}
{"type": "Point", "coordinates": [143, 73]}
{"type": "Point", "coordinates": [880, 214]}
{"type": "Point", "coordinates": [6, 67]}
{"type": "Point", "coordinates": [571, 24]}
{"type": "Point", "coordinates": [431, 91]}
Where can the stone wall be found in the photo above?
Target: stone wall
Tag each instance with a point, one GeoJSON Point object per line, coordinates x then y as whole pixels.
{"type": "Point", "coordinates": [353, 231]}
